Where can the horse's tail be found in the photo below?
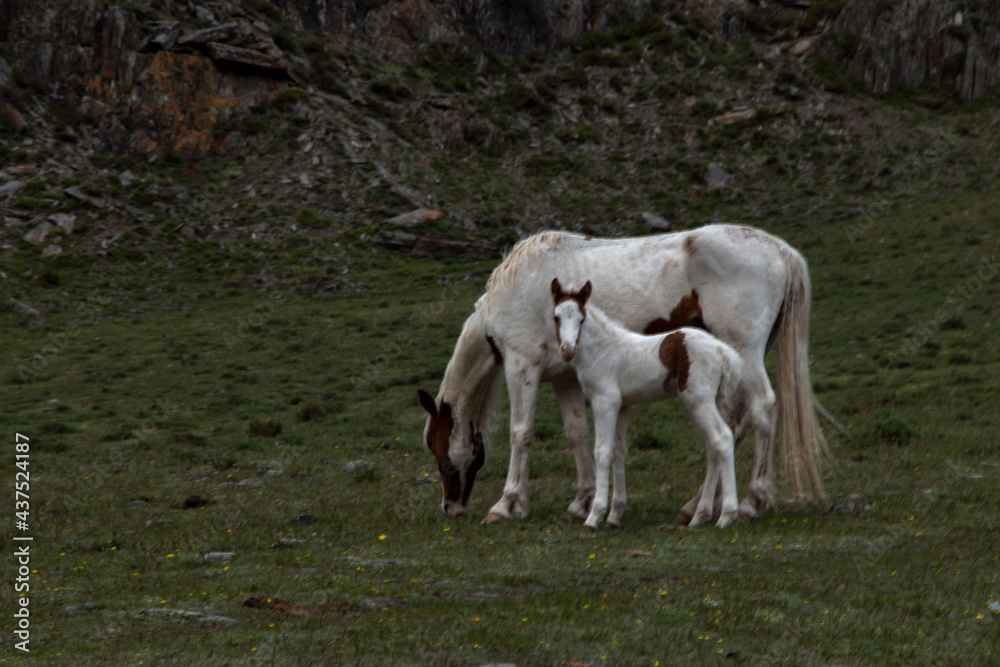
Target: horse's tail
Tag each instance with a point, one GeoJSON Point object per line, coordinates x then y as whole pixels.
{"type": "Point", "coordinates": [803, 446]}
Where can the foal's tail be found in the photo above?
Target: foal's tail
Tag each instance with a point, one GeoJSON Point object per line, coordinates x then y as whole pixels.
{"type": "Point", "coordinates": [803, 446]}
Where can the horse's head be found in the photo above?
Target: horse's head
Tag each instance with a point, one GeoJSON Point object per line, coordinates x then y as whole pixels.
{"type": "Point", "coordinates": [459, 452]}
{"type": "Point", "coordinates": [570, 311]}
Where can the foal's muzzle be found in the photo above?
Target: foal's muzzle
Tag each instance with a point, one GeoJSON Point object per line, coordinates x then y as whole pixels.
{"type": "Point", "coordinates": [567, 350]}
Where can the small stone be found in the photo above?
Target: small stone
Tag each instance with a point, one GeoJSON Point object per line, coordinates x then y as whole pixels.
{"type": "Point", "coordinates": [37, 235]}
{"type": "Point", "coordinates": [414, 217]}
{"type": "Point", "coordinates": [65, 221]}
{"type": "Point", "coordinates": [51, 250]}
{"type": "Point", "coordinates": [11, 188]}
{"type": "Point", "coordinates": [84, 608]}
{"type": "Point", "coordinates": [76, 193]}
{"type": "Point", "coordinates": [716, 176]}
{"type": "Point", "coordinates": [800, 47]}
{"type": "Point", "coordinates": [304, 179]}
{"type": "Point", "coordinates": [655, 222]}
{"type": "Point", "coordinates": [734, 116]}
{"type": "Point", "coordinates": [126, 178]}
{"type": "Point", "coordinates": [214, 556]}
{"type": "Point", "coordinates": [358, 467]}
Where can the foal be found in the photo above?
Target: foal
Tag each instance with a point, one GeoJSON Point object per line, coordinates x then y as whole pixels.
{"type": "Point", "coordinates": [618, 368]}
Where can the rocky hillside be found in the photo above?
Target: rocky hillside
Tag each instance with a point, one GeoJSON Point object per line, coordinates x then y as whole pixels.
{"type": "Point", "coordinates": [222, 136]}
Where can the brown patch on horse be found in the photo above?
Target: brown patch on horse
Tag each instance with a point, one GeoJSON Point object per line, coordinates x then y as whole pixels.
{"type": "Point", "coordinates": [687, 313]}
{"type": "Point", "coordinates": [438, 435]}
{"type": "Point", "coordinates": [497, 357]}
{"type": "Point", "coordinates": [674, 355]}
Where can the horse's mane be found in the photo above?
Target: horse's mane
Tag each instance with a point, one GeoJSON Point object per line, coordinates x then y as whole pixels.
{"type": "Point", "coordinates": [522, 251]}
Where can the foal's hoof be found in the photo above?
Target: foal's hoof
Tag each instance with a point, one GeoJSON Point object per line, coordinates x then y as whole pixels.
{"type": "Point", "coordinates": [491, 517]}
{"type": "Point", "coordinates": [683, 519]}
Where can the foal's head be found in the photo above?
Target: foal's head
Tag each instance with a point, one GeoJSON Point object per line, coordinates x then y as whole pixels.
{"type": "Point", "coordinates": [569, 313]}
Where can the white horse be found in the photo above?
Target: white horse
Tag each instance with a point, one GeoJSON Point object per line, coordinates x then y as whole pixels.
{"type": "Point", "coordinates": [748, 288]}
{"type": "Point", "coordinates": [618, 368]}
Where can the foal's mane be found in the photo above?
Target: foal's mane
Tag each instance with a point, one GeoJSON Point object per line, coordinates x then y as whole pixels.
{"type": "Point", "coordinates": [599, 317]}
{"type": "Point", "coordinates": [523, 250]}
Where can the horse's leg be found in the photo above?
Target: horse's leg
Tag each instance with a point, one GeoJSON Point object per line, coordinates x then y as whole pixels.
{"type": "Point", "coordinates": [605, 425]}
{"type": "Point", "coordinates": [619, 497]}
{"type": "Point", "coordinates": [763, 494]}
{"type": "Point", "coordinates": [574, 414]}
{"type": "Point", "coordinates": [523, 379]}
{"type": "Point", "coordinates": [741, 423]}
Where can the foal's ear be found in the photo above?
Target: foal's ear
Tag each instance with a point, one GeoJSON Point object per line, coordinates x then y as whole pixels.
{"type": "Point", "coordinates": [427, 401]}
{"type": "Point", "coordinates": [557, 290]}
{"type": "Point", "coordinates": [584, 294]}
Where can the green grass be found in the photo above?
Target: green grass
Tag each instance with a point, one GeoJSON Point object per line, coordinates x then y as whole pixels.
{"type": "Point", "coordinates": [250, 400]}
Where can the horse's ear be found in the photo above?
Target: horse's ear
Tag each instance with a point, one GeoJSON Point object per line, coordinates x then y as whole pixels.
{"type": "Point", "coordinates": [427, 401]}
{"type": "Point", "coordinates": [585, 292]}
{"type": "Point", "coordinates": [557, 290]}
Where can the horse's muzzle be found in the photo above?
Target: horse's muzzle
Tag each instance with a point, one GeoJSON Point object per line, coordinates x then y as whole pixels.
{"type": "Point", "coordinates": [452, 510]}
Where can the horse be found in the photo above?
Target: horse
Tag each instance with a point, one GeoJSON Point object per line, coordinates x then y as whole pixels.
{"type": "Point", "coordinates": [746, 287]}
{"type": "Point", "coordinates": [618, 368]}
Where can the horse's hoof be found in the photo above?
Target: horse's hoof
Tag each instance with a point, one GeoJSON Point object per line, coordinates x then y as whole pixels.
{"type": "Point", "coordinates": [613, 525]}
{"type": "Point", "coordinates": [493, 516]}
{"type": "Point", "coordinates": [570, 517]}
{"type": "Point", "coordinates": [683, 519]}
{"type": "Point", "coordinates": [586, 530]}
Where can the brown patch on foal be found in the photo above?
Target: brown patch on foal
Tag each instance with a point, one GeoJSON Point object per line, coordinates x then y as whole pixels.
{"type": "Point", "coordinates": [674, 355]}
{"type": "Point", "coordinates": [687, 313]}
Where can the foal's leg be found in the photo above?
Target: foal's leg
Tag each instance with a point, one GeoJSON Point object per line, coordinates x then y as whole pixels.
{"type": "Point", "coordinates": [574, 414]}
{"type": "Point", "coordinates": [619, 498]}
{"type": "Point", "coordinates": [720, 463]}
{"type": "Point", "coordinates": [605, 426]}
{"type": "Point", "coordinates": [740, 422]}
{"type": "Point", "coordinates": [523, 378]}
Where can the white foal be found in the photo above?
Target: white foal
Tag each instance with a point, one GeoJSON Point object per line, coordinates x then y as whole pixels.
{"type": "Point", "coordinates": [618, 368]}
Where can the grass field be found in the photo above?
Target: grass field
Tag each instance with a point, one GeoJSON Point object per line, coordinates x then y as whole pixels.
{"type": "Point", "coordinates": [209, 417]}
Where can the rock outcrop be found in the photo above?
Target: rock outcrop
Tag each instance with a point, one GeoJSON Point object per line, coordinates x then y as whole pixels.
{"type": "Point", "coordinates": [947, 45]}
{"type": "Point", "coordinates": [144, 79]}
